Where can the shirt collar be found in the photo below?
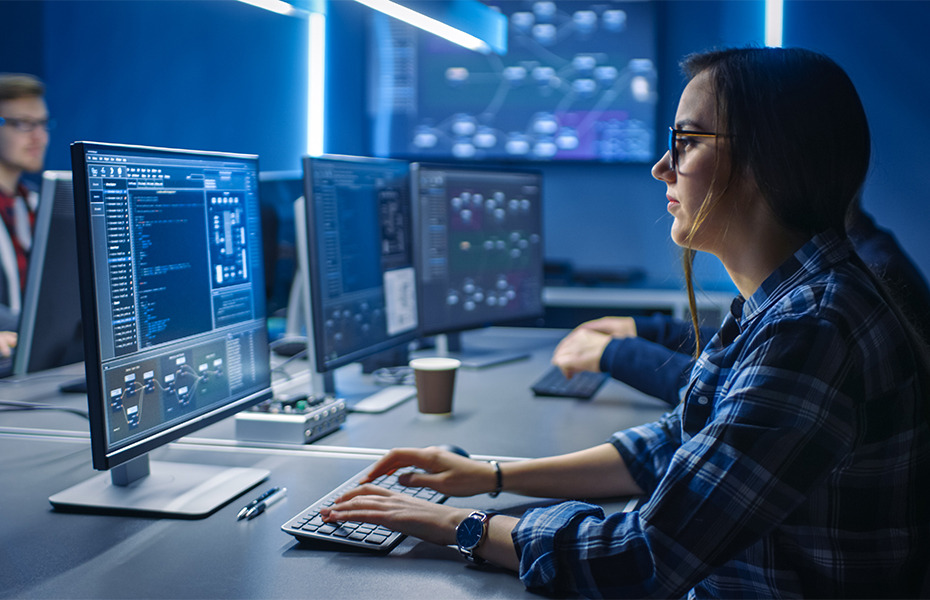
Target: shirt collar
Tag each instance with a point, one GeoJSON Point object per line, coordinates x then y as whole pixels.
{"type": "Point", "coordinates": [816, 256]}
{"type": "Point", "coordinates": [21, 191]}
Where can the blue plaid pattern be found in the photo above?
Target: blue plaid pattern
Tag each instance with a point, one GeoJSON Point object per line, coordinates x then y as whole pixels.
{"type": "Point", "coordinates": [797, 466]}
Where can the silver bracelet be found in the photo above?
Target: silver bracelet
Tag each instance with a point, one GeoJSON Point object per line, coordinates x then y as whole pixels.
{"type": "Point", "coordinates": [500, 479]}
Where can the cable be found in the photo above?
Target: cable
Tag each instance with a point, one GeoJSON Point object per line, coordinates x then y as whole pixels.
{"type": "Point", "coordinates": [280, 368]}
{"type": "Point", "coordinates": [14, 406]}
{"type": "Point", "coordinates": [285, 340]}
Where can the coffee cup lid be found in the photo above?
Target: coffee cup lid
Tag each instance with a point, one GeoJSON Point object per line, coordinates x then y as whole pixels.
{"type": "Point", "coordinates": [435, 363]}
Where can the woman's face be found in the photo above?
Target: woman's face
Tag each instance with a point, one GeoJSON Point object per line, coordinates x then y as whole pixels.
{"type": "Point", "coordinates": [689, 184]}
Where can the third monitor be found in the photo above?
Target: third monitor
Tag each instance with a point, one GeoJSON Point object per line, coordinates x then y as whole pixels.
{"type": "Point", "coordinates": [479, 251]}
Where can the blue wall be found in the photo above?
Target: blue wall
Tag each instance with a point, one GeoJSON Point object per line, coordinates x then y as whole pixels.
{"type": "Point", "coordinates": [884, 47]}
{"type": "Point", "coordinates": [220, 75]}
{"type": "Point", "coordinates": [21, 40]}
{"type": "Point", "coordinates": [195, 74]}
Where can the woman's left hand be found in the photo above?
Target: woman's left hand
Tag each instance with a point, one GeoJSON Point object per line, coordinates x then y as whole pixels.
{"type": "Point", "coordinates": [368, 503]}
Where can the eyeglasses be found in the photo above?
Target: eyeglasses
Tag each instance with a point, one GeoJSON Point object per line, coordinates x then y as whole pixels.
{"type": "Point", "coordinates": [27, 125]}
{"type": "Point", "coordinates": [673, 142]}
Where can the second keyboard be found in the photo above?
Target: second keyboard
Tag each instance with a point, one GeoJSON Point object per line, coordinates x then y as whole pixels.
{"type": "Point", "coordinates": [583, 384]}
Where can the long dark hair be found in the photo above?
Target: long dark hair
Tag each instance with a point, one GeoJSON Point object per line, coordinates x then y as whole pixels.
{"type": "Point", "coordinates": [797, 128]}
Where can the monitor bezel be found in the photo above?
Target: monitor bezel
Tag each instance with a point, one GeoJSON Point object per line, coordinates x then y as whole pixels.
{"type": "Point", "coordinates": [103, 458]}
{"type": "Point", "coordinates": [313, 260]}
{"type": "Point", "coordinates": [419, 243]}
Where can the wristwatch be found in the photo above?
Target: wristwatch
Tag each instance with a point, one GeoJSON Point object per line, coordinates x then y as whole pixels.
{"type": "Point", "coordinates": [470, 532]}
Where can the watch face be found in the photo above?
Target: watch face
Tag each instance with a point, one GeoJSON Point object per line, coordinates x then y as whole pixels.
{"type": "Point", "coordinates": [469, 532]}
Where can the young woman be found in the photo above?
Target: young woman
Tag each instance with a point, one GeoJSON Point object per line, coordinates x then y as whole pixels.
{"type": "Point", "coordinates": [799, 462]}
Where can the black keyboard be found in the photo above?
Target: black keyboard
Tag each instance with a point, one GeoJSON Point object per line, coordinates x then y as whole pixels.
{"type": "Point", "coordinates": [582, 385]}
{"type": "Point", "coordinates": [309, 525]}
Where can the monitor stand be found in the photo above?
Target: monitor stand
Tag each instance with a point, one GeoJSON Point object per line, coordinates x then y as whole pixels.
{"type": "Point", "coordinates": [163, 489]}
{"type": "Point", "coordinates": [450, 344]}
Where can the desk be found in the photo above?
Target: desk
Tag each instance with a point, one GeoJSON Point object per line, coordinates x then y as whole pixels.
{"type": "Point", "coordinates": [39, 387]}
{"type": "Point", "coordinates": [45, 554]}
{"type": "Point", "coordinates": [494, 403]}
{"type": "Point", "coordinates": [49, 554]}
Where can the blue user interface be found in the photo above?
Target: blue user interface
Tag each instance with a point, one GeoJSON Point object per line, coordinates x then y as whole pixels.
{"type": "Point", "coordinates": [180, 302]}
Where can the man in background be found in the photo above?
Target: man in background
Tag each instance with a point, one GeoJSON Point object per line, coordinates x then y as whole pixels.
{"type": "Point", "coordinates": [24, 125]}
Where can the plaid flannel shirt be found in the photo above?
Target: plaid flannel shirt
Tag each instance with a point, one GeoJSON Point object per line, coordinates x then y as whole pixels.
{"type": "Point", "coordinates": [797, 465]}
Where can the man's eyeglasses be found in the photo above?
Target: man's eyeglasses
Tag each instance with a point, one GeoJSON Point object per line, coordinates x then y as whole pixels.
{"type": "Point", "coordinates": [27, 125]}
{"type": "Point", "coordinates": [673, 135]}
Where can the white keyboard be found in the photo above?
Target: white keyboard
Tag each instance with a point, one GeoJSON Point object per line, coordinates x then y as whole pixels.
{"type": "Point", "coordinates": [384, 399]}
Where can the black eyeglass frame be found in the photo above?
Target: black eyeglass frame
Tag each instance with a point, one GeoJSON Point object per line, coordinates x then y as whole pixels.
{"type": "Point", "coordinates": [673, 146]}
{"type": "Point", "coordinates": [30, 125]}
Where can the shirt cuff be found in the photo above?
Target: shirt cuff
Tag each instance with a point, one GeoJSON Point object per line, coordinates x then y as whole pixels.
{"type": "Point", "coordinates": [649, 328]}
{"type": "Point", "coordinates": [648, 367]}
{"type": "Point", "coordinates": [536, 538]}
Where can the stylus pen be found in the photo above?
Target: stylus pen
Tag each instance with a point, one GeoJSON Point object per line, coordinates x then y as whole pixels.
{"type": "Point", "coordinates": [245, 509]}
{"type": "Point", "coordinates": [261, 506]}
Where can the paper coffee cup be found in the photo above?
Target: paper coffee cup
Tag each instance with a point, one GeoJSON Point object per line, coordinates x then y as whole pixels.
{"type": "Point", "coordinates": [435, 378]}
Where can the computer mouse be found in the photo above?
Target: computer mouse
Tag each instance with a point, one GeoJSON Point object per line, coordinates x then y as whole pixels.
{"type": "Point", "coordinates": [289, 347]}
{"type": "Point", "coordinates": [454, 449]}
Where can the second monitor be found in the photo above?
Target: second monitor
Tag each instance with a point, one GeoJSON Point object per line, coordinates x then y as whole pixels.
{"type": "Point", "coordinates": [479, 251]}
{"type": "Point", "coordinates": [355, 242]}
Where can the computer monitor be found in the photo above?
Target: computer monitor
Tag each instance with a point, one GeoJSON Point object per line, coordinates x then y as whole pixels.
{"type": "Point", "coordinates": [50, 332]}
{"type": "Point", "coordinates": [578, 83]}
{"type": "Point", "coordinates": [479, 251]}
{"type": "Point", "coordinates": [355, 250]}
{"type": "Point", "coordinates": [172, 297]}
{"type": "Point", "coordinates": [278, 191]}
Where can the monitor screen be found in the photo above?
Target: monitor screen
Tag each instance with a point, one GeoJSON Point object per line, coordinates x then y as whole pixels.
{"type": "Point", "coordinates": [578, 83]}
{"type": "Point", "coordinates": [479, 246]}
{"type": "Point", "coordinates": [359, 230]}
{"type": "Point", "coordinates": [172, 292]}
{"type": "Point", "coordinates": [278, 191]}
{"type": "Point", "coordinates": [50, 332]}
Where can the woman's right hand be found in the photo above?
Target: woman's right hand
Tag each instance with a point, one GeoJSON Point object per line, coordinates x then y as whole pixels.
{"type": "Point", "coordinates": [618, 327]}
{"type": "Point", "coordinates": [446, 472]}
{"type": "Point", "coordinates": [580, 350]}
